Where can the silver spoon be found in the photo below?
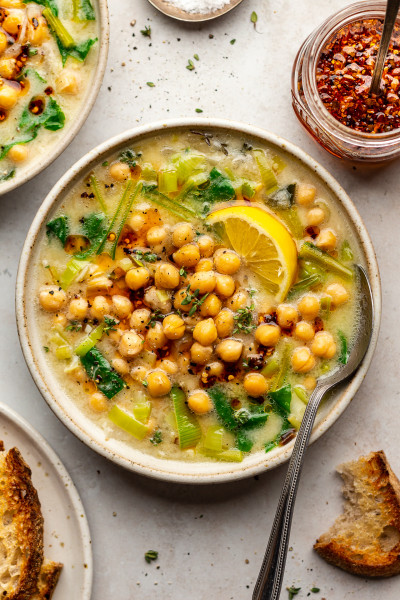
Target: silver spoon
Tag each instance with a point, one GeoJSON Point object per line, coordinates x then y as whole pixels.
{"type": "Point", "coordinates": [182, 15]}
{"type": "Point", "coordinates": [392, 10]}
{"type": "Point", "coordinates": [269, 581]}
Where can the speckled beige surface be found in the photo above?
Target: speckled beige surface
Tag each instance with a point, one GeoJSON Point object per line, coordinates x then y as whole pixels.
{"type": "Point", "coordinates": [205, 536]}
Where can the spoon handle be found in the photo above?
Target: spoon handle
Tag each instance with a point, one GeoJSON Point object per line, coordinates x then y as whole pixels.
{"type": "Point", "coordinates": [269, 580]}
{"type": "Point", "coordinates": [392, 10]}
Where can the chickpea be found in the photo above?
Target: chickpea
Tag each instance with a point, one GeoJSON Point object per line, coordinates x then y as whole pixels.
{"type": "Point", "coordinates": [302, 360]}
{"type": "Point", "coordinates": [287, 316]}
{"type": "Point", "coordinates": [304, 331]}
{"type": "Point", "coordinates": [120, 365]}
{"type": "Point", "coordinates": [204, 264]}
{"type": "Point", "coordinates": [255, 384]}
{"type": "Point", "coordinates": [179, 298]}
{"type": "Point", "coordinates": [167, 276]}
{"type": "Point", "coordinates": [139, 373]}
{"type": "Point", "coordinates": [115, 335]}
{"type": "Point", "coordinates": [309, 383]}
{"type": "Point", "coordinates": [98, 402]}
{"type": "Point", "coordinates": [7, 69]}
{"type": "Point", "coordinates": [224, 323]}
{"type": "Point", "coordinates": [267, 334]}
{"type": "Point", "coordinates": [139, 319]}
{"type": "Point", "coordinates": [38, 31]}
{"type": "Point", "coordinates": [52, 298]}
{"type": "Point", "coordinates": [315, 216]}
{"type": "Point", "coordinates": [226, 261]}
{"type": "Point", "coordinates": [99, 308]}
{"type": "Point", "coordinates": [12, 23]}
{"type": "Point", "coordinates": [187, 256]}
{"type": "Point", "coordinates": [338, 293]}
{"type": "Point", "coordinates": [324, 345]}
{"type": "Point", "coordinates": [158, 383]}
{"type": "Point", "coordinates": [326, 239]}
{"type": "Point", "coordinates": [174, 327]}
{"type": "Point", "coordinates": [206, 246]}
{"type": "Point", "coordinates": [204, 281]}
{"type": "Point", "coordinates": [3, 42]}
{"type": "Point", "coordinates": [156, 337]}
{"type": "Point", "coordinates": [156, 235]}
{"type": "Point", "coordinates": [182, 234]}
{"type": "Point", "coordinates": [68, 83]}
{"type": "Point", "coordinates": [169, 366]}
{"type": "Point", "coordinates": [8, 96]}
{"type": "Point", "coordinates": [18, 153]}
{"type": "Point", "coordinates": [211, 306]}
{"type": "Point", "coordinates": [200, 402]}
{"type": "Point", "coordinates": [122, 306]}
{"type": "Point", "coordinates": [137, 222]}
{"type": "Point", "coordinates": [120, 171]}
{"type": "Point", "coordinates": [230, 350]}
{"type": "Point", "coordinates": [205, 332]}
{"type": "Point", "coordinates": [131, 344]}
{"type": "Point", "coordinates": [200, 354]}
{"type": "Point", "coordinates": [78, 308]}
{"type": "Point", "coordinates": [137, 278]}
{"type": "Point", "coordinates": [224, 286]}
{"type": "Point", "coordinates": [309, 307]}
{"type": "Point", "coordinates": [239, 300]}
{"type": "Point", "coordinates": [305, 194]}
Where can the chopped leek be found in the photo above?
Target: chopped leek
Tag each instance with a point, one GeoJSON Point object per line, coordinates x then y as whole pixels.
{"type": "Point", "coordinates": [189, 431]}
{"type": "Point", "coordinates": [344, 350]}
{"type": "Point", "coordinates": [186, 164]}
{"type": "Point", "coordinates": [213, 438]}
{"type": "Point", "coordinates": [127, 422]}
{"type": "Point", "coordinates": [56, 25]}
{"type": "Point", "coordinates": [297, 408]}
{"type": "Point", "coordinates": [125, 264]}
{"type": "Point", "coordinates": [248, 189]}
{"type": "Point", "coordinates": [284, 361]}
{"type": "Point", "coordinates": [63, 352]}
{"type": "Point", "coordinates": [148, 173]}
{"type": "Point", "coordinates": [90, 341]}
{"type": "Point", "coordinates": [282, 397]}
{"type": "Point", "coordinates": [97, 194]}
{"type": "Point", "coordinates": [346, 253]}
{"type": "Point", "coordinates": [301, 393]}
{"type": "Point", "coordinates": [267, 175]}
{"type": "Point", "coordinates": [304, 284]}
{"type": "Point", "coordinates": [115, 217]}
{"type": "Point", "coordinates": [73, 268]}
{"type": "Point", "coordinates": [292, 221]}
{"type": "Point", "coordinates": [310, 252]}
{"type": "Point", "coordinates": [183, 212]}
{"type": "Point", "coordinates": [325, 304]}
{"type": "Point", "coordinates": [168, 181]}
{"type": "Point", "coordinates": [270, 367]}
{"type": "Point", "coordinates": [128, 207]}
{"type": "Point", "coordinates": [232, 455]}
{"type": "Point", "coordinates": [142, 411]}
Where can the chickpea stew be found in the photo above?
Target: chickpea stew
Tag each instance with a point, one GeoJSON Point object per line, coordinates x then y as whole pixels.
{"type": "Point", "coordinates": [190, 291]}
{"type": "Point", "coordinates": [46, 67]}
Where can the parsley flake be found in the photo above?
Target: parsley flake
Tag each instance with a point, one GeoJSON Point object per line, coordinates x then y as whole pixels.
{"type": "Point", "coordinates": [244, 320]}
{"type": "Point", "coordinates": [196, 57]}
{"type": "Point", "coordinates": [254, 18]}
{"type": "Point", "coordinates": [199, 110]}
{"type": "Point", "coordinates": [109, 325]}
{"type": "Point", "coordinates": [151, 84]}
{"type": "Point", "coordinates": [146, 32]}
{"type": "Point", "coordinates": [46, 348]}
{"type": "Point", "coordinates": [190, 66]}
{"type": "Point", "coordinates": [314, 590]}
{"type": "Point", "coordinates": [151, 555]}
{"type": "Point", "coordinates": [293, 592]}
{"type": "Point", "coordinates": [232, 42]}
{"type": "Point", "coordinates": [156, 437]}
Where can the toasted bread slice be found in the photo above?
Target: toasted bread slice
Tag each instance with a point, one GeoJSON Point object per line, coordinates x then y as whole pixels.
{"type": "Point", "coordinates": [365, 539]}
{"type": "Point", "coordinates": [48, 579]}
{"type": "Point", "coordinates": [21, 529]}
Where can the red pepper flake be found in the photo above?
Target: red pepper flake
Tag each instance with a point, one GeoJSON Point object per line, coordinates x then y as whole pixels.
{"type": "Point", "coordinates": [344, 72]}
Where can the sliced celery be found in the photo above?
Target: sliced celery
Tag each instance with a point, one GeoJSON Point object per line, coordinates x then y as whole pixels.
{"type": "Point", "coordinates": [189, 431]}
{"type": "Point", "coordinates": [126, 191]}
{"type": "Point", "coordinates": [271, 367]}
{"type": "Point", "coordinates": [63, 352]}
{"type": "Point", "coordinates": [58, 339]}
{"type": "Point", "coordinates": [278, 164]}
{"type": "Point", "coordinates": [297, 408]}
{"type": "Point", "coordinates": [90, 341]}
{"type": "Point", "coordinates": [284, 360]}
{"type": "Point", "coordinates": [142, 411]}
{"type": "Point", "coordinates": [73, 268]}
{"type": "Point", "coordinates": [127, 422]}
{"type": "Point", "coordinates": [193, 182]}
{"type": "Point", "coordinates": [304, 284]}
{"type": "Point", "coordinates": [267, 175]}
{"type": "Point", "coordinates": [73, 365]}
{"type": "Point", "coordinates": [186, 164]}
{"type": "Point", "coordinates": [301, 393]}
{"type": "Point", "coordinates": [310, 252]}
{"type": "Point", "coordinates": [248, 189]}
{"type": "Point", "coordinates": [126, 212]}
{"type": "Point", "coordinates": [213, 438]}
{"type": "Point", "coordinates": [233, 455]}
{"type": "Point", "coordinates": [148, 173]}
{"type": "Point", "coordinates": [56, 25]}
{"type": "Point", "coordinates": [168, 181]}
{"type": "Point", "coordinates": [97, 194]}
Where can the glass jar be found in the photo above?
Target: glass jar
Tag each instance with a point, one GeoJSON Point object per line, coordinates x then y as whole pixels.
{"type": "Point", "coordinates": [335, 137]}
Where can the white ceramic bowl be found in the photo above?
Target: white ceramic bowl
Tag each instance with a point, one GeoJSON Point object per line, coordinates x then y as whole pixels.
{"type": "Point", "coordinates": [82, 426]}
{"type": "Point", "coordinates": [69, 132]}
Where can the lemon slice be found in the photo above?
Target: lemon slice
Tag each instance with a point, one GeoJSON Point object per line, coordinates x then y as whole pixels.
{"type": "Point", "coordinates": [263, 242]}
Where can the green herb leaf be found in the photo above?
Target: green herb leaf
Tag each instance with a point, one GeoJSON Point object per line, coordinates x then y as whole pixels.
{"type": "Point", "coordinates": [151, 555]}
{"type": "Point", "coordinates": [129, 157]}
{"type": "Point", "coordinates": [293, 592]}
{"type": "Point", "coordinates": [46, 348]}
{"type": "Point", "coordinates": [156, 438]}
{"type": "Point", "coordinates": [199, 110]}
{"type": "Point", "coordinates": [83, 10]}
{"type": "Point", "coordinates": [9, 175]}
{"type": "Point", "coordinates": [344, 350]}
{"type": "Point", "coordinates": [196, 56]}
{"type": "Point", "coordinates": [51, 118]}
{"type": "Point", "coordinates": [58, 227]}
{"type": "Point", "coordinates": [182, 272]}
{"type": "Point", "coordinates": [283, 397]}
{"type": "Point", "coordinates": [314, 590]}
{"type": "Point", "coordinates": [244, 320]}
{"type": "Point", "coordinates": [74, 326]}
{"type": "Point", "coordinates": [94, 227]}
{"type": "Point", "coordinates": [151, 84]}
{"type": "Point", "coordinates": [146, 31]}
{"type": "Point", "coordinates": [79, 51]}
{"type": "Point", "coordinates": [157, 315]}
{"type": "Point", "coordinates": [190, 66]}
{"type": "Point", "coordinates": [232, 42]}
{"type": "Point", "coordinates": [32, 72]}
{"type": "Point", "coordinates": [109, 325]}
{"type": "Point", "coordinates": [254, 18]}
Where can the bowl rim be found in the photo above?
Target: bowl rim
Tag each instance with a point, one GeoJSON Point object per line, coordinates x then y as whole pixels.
{"type": "Point", "coordinates": [238, 470]}
{"type": "Point", "coordinates": [73, 130]}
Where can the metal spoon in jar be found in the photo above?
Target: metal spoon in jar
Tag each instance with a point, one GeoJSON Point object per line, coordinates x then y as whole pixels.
{"type": "Point", "coordinates": [392, 9]}
{"type": "Point", "coordinates": [269, 581]}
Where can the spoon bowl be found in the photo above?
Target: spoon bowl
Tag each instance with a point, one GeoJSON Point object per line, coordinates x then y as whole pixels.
{"type": "Point", "coordinates": [182, 15]}
{"type": "Point", "coordinates": [269, 581]}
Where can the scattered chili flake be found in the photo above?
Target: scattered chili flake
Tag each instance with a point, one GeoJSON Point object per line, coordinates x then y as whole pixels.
{"type": "Point", "coordinates": [344, 73]}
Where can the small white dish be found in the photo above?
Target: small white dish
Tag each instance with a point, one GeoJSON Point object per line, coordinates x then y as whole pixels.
{"type": "Point", "coordinates": [65, 407]}
{"type": "Point", "coordinates": [182, 15]}
{"type": "Point", "coordinates": [66, 530]}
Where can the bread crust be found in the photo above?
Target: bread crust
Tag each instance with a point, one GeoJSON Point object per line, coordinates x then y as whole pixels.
{"type": "Point", "coordinates": [378, 563]}
{"type": "Point", "coordinates": [19, 499]}
{"type": "Point", "coordinates": [48, 578]}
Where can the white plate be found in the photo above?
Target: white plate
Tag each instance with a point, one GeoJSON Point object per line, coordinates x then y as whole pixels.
{"type": "Point", "coordinates": [66, 530]}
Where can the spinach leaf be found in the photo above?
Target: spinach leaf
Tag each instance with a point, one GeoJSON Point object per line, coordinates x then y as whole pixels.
{"type": "Point", "coordinates": [28, 72]}
{"type": "Point", "coordinates": [78, 51]}
{"type": "Point", "coordinates": [283, 198]}
{"type": "Point", "coordinates": [83, 10]}
{"type": "Point", "coordinates": [282, 398]}
{"type": "Point", "coordinates": [219, 189]}
{"type": "Point", "coordinates": [4, 149]}
{"type": "Point", "coordinates": [243, 442]}
{"type": "Point", "coordinates": [223, 409]}
{"type": "Point", "coordinates": [51, 4]}
{"type": "Point", "coordinates": [59, 227]}
{"type": "Point", "coordinates": [94, 226]}
{"type": "Point", "coordinates": [100, 371]}
{"type": "Point", "coordinates": [9, 175]}
{"type": "Point", "coordinates": [52, 118]}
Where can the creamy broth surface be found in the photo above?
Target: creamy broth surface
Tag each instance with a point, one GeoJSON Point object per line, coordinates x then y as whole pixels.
{"type": "Point", "coordinates": [137, 267]}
